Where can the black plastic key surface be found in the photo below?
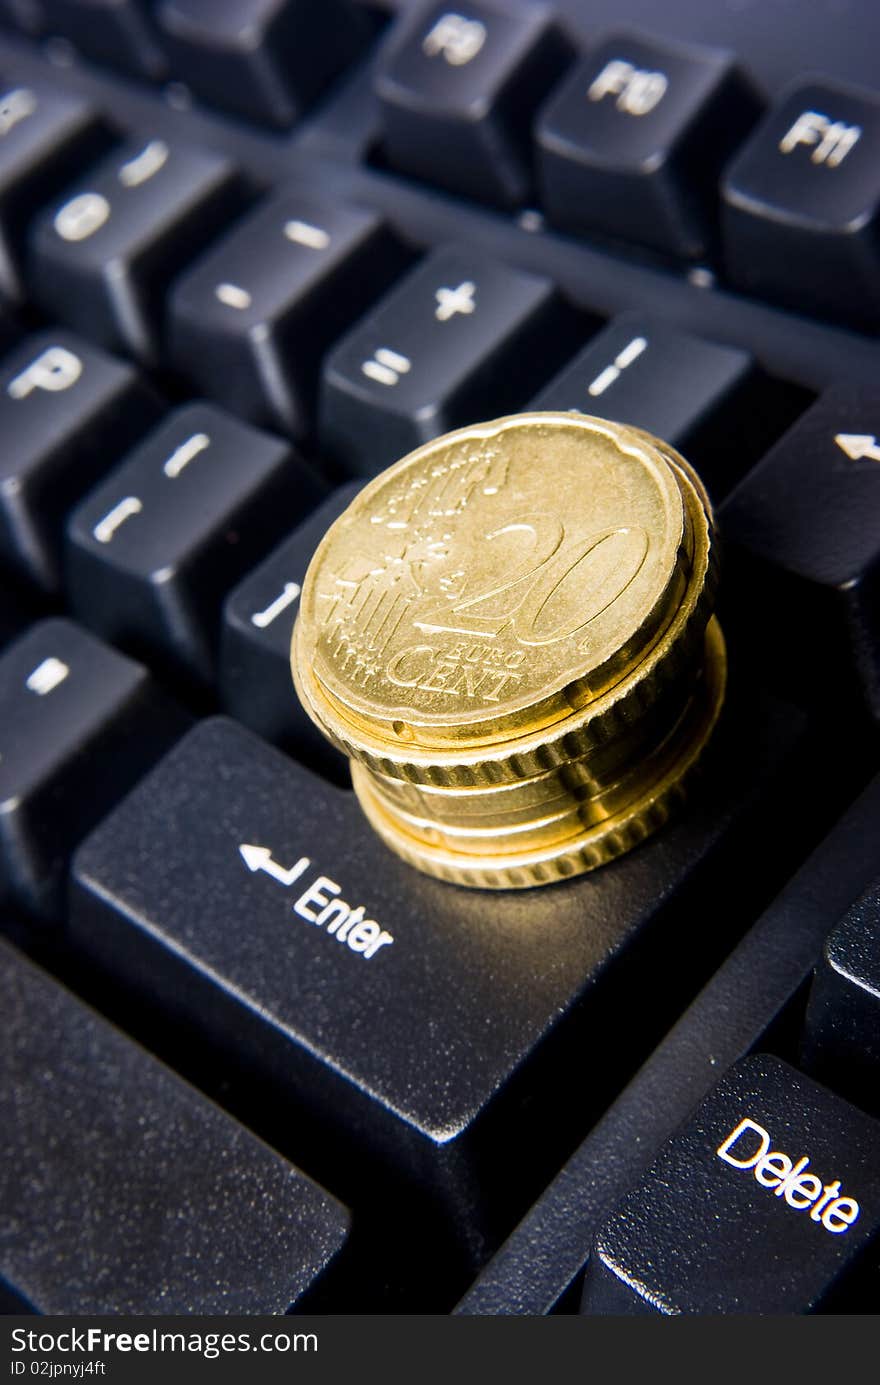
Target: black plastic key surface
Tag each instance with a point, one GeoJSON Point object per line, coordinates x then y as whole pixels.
{"type": "Point", "coordinates": [457, 90]}
{"type": "Point", "coordinates": [264, 59]}
{"type": "Point", "coordinates": [633, 142]}
{"type": "Point", "coordinates": [704, 398]}
{"type": "Point", "coordinates": [842, 1025]}
{"type": "Point", "coordinates": [251, 320]}
{"type": "Point", "coordinates": [154, 549]}
{"type": "Point", "coordinates": [462, 339]}
{"type": "Point", "coordinates": [542, 1261]}
{"type": "Point", "coordinates": [24, 15]}
{"type": "Point", "coordinates": [768, 1201]}
{"type": "Point", "coordinates": [116, 32]}
{"type": "Point", "coordinates": [801, 214]}
{"type": "Point", "coordinates": [804, 531]}
{"type": "Point", "coordinates": [102, 258]}
{"type": "Point", "coordinates": [428, 1032]}
{"type": "Point", "coordinates": [126, 1191]}
{"type": "Point", "coordinates": [258, 616]}
{"type": "Point", "coordinates": [79, 724]}
{"type": "Point", "coordinates": [67, 413]}
{"type": "Point", "coordinates": [46, 138]}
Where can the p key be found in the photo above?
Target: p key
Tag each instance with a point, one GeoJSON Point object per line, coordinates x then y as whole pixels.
{"type": "Point", "coordinates": [67, 413]}
{"type": "Point", "coordinates": [802, 205]}
{"type": "Point", "coordinates": [461, 339]}
{"type": "Point", "coordinates": [153, 551]}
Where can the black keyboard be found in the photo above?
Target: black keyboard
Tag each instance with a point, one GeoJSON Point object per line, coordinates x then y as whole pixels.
{"type": "Point", "coordinates": [251, 254]}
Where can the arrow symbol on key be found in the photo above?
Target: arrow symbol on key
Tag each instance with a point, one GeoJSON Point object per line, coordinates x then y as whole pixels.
{"type": "Point", "coordinates": [858, 445]}
{"type": "Point", "coordinates": [260, 858]}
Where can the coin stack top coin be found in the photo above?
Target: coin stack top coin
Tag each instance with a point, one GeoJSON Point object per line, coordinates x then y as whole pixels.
{"type": "Point", "coordinates": [509, 633]}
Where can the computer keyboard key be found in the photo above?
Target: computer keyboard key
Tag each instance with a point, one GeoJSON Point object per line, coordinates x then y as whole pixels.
{"type": "Point", "coordinates": [801, 218]}
{"type": "Point", "coordinates": [461, 339]}
{"type": "Point", "coordinates": [633, 142]}
{"type": "Point", "coordinates": [153, 550]}
{"type": "Point", "coordinates": [79, 724]}
{"type": "Point", "coordinates": [67, 412]}
{"type": "Point", "coordinates": [127, 1192]}
{"type": "Point", "coordinates": [116, 32]}
{"type": "Point", "coordinates": [102, 258]}
{"type": "Point", "coordinates": [703, 398]}
{"type": "Point", "coordinates": [46, 138]}
{"type": "Point", "coordinates": [251, 319]}
{"type": "Point", "coordinates": [428, 1035]}
{"type": "Point", "coordinates": [258, 616]}
{"type": "Point", "coordinates": [757, 991]}
{"type": "Point", "coordinates": [266, 60]}
{"type": "Point", "coordinates": [803, 529]}
{"type": "Point", "coordinates": [842, 1026]}
{"type": "Point", "coordinates": [767, 1201]}
{"type": "Point", "coordinates": [457, 89]}
{"type": "Point", "coordinates": [25, 16]}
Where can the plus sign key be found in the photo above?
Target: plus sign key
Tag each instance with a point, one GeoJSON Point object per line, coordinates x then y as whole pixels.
{"type": "Point", "coordinates": [457, 89]}
{"type": "Point", "coordinates": [802, 205]}
{"type": "Point", "coordinates": [462, 338]}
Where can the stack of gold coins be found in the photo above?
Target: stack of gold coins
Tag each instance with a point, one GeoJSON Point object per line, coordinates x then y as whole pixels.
{"type": "Point", "coordinates": [509, 633]}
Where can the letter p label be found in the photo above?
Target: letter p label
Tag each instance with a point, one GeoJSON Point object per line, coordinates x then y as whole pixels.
{"type": "Point", "coordinates": [54, 369]}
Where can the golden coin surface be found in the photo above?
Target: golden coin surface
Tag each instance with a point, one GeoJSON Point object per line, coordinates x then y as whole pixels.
{"type": "Point", "coordinates": [520, 860]}
{"type": "Point", "coordinates": [497, 579]}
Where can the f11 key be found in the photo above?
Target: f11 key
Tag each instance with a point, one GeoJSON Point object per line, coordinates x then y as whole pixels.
{"type": "Point", "coordinates": [802, 205]}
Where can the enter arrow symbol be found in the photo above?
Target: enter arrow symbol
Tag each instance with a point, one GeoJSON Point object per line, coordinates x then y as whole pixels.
{"type": "Point", "coordinates": [858, 445]}
{"type": "Point", "coordinates": [260, 858]}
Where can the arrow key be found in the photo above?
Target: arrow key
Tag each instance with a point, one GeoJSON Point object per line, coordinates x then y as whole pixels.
{"type": "Point", "coordinates": [804, 528]}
